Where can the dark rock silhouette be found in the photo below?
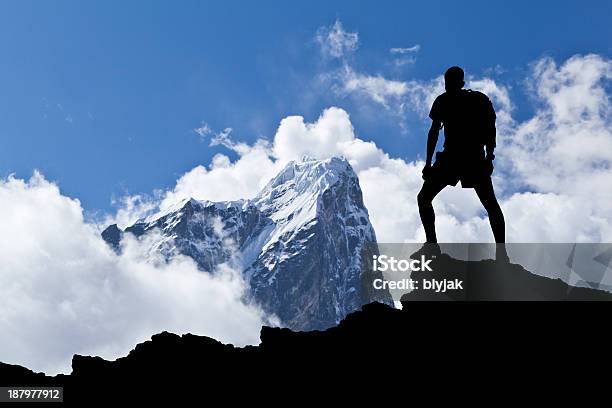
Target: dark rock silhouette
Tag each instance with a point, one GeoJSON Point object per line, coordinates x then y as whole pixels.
{"type": "Point", "coordinates": [377, 343]}
{"type": "Point", "coordinates": [497, 280]}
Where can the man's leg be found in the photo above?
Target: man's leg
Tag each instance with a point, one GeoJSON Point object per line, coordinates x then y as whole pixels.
{"type": "Point", "coordinates": [496, 217]}
{"type": "Point", "coordinates": [431, 187]}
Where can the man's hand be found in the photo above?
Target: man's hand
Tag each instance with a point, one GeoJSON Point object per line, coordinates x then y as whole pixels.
{"type": "Point", "coordinates": [426, 171]}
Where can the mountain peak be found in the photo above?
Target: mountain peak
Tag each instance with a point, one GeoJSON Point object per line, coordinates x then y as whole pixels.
{"type": "Point", "coordinates": [299, 241]}
{"type": "Point", "coordinates": [307, 174]}
{"type": "Point", "coordinates": [295, 193]}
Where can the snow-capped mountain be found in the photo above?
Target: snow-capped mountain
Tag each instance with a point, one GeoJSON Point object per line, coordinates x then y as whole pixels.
{"type": "Point", "coordinates": [299, 242]}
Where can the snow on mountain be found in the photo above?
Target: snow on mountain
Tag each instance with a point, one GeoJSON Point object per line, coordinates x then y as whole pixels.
{"type": "Point", "coordinates": [299, 242]}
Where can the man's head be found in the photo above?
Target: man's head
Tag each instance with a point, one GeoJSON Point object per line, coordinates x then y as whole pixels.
{"type": "Point", "coordinates": [453, 79]}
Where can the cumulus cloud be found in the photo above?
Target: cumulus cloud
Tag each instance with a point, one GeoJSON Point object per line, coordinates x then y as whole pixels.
{"type": "Point", "coordinates": [570, 136]}
{"type": "Point", "coordinates": [63, 291]}
{"type": "Point", "coordinates": [565, 149]}
{"type": "Point", "coordinates": [224, 180]}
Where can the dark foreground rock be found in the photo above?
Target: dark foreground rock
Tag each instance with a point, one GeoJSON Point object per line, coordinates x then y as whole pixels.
{"type": "Point", "coordinates": [489, 280]}
{"type": "Point", "coordinates": [370, 349]}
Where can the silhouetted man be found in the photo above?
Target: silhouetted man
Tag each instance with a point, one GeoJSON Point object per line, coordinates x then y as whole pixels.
{"type": "Point", "coordinates": [468, 119]}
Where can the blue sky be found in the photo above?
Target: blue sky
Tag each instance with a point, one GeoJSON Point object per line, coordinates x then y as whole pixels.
{"type": "Point", "coordinates": [103, 97]}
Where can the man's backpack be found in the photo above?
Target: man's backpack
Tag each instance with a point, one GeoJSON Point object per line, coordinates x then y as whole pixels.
{"type": "Point", "coordinates": [481, 116]}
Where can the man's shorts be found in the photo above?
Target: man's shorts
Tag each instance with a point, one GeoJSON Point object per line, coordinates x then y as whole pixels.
{"type": "Point", "coordinates": [451, 168]}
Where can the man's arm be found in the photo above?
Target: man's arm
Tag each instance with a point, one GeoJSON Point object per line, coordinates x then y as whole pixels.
{"type": "Point", "coordinates": [432, 140]}
{"type": "Point", "coordinates": [490, 130]}
{"type": "Point", "coordinates": [490, 146]}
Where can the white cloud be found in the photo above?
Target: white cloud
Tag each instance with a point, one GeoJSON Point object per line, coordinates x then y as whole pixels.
{"type": "Point", "coordinates": [346, 81]}
{"type": "Point", "coordinates": [565, 150]}
{"type": "Point", "coordinates": [406, 50]}
{"type": "Point", "coordinates": [225, 180]}
{"type": "Point", "coordinates": [203, 130]}
{"type": "Point", "coordinates": [335, 41]}
{"type": "Point", "coordinates": [223, 138]}
{"type": "Point", "coordinates": [63, 291]}
{"type": "Point", "coordinates": [379, 89]}
{"type": "Point", "coordinates": [571, 134]}
{"type": "Point", "coordinates": [130, 208]}
{"type": "Point", "coordinates": [326, 137]}
{"type": "Point", "coordinates": [222, 179]}
{"type": "Point", "coordinates": [404, 56]}
{"type": "Point", "coordinates": [403, 61]}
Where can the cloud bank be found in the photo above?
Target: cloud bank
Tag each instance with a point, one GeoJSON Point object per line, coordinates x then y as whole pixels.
{"type": "Point", "coordinates": [63, 291]}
